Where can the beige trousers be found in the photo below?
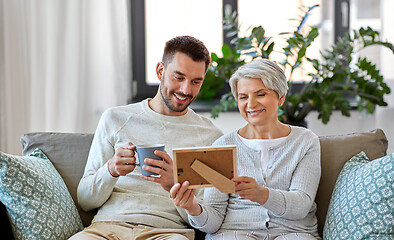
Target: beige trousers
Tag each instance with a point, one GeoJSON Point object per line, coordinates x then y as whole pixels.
{"type": "Point", "coordinates": [120, 231]}
{"type": "Point", "coordinates": [257, 235]}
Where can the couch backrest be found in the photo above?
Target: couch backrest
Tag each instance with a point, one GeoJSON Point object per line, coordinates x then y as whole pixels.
{"type": "Point", "coordinates": [69, 151]}
{"type": "Point", "coordinates": [335, 151]}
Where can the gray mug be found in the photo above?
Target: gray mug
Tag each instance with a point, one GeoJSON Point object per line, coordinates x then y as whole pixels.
{"type": "Point", "coordinates": [147, 151]}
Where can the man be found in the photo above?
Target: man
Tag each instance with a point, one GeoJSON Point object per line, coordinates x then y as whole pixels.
{"type": "Point", "coordinates": [131, 205]}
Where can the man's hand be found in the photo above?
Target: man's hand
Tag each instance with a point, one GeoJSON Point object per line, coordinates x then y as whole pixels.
{"type": "Point", "coordinates": [164, 169]}
{"type": "Point", "coordinates": [247, 187]}
{"type": "Point", "coordinates": [184, 198]}
{"type": "Point", "coordinates": [123, 161]}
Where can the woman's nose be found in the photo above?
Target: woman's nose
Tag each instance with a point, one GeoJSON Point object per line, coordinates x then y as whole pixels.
{"type": "Point", "coordinates": [251, 102]}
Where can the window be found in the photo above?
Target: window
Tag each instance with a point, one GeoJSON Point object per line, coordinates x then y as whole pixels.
{"type": "Point", "coordinates": [201, 19]}
{"type": "Point", "coordinates": [367, 13]}
{"type": "Point", "coordinates": [156, 21]}
{"type": "Point", "coordinates": [275, 19]}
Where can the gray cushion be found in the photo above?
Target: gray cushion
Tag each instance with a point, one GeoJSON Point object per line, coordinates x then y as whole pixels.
{"type": "Point", "coordinates": [68, 152]}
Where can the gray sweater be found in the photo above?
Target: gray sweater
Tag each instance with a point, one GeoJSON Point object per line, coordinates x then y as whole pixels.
{"type": "Point", "coordinates": [292, 175]}
{"type": "Point", "coordinates": [129, 198]}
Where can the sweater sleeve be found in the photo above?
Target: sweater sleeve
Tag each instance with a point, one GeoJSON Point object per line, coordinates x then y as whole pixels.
{"type": "Point", "coordinates": [214, 209]}
{"type": "Point", "coordinates": [297, 202]}
{"type": "Point", "coordinates": [97, 183]}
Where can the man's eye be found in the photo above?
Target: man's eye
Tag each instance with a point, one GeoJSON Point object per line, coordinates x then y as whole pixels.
{"type": "Point", "coordinates": [197, 82]}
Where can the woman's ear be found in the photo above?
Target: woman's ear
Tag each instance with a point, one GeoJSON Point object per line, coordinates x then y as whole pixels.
{"type": "Point", "coordinates": [160, 70]}
{"type": "Point", "coordinates": [282, 99]}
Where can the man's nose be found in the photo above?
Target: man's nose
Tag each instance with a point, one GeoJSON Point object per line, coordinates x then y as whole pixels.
{"type": "Point", "coordinates": [186, 88]}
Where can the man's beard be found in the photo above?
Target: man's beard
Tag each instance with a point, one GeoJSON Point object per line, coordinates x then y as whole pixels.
{"type": "Point", "coordinates": [168, 102]}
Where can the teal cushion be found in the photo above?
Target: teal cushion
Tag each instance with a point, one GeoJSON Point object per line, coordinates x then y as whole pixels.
{"type": "Point", "coordinates": [362, 203]}
{"type": "Point", "coordinates": [37, 200]}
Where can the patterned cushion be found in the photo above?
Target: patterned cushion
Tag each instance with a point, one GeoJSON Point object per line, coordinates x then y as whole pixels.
{"type": "Point", "coordinates": [362, 203]}
{"type": "Point", "coordinates": [37, 200]}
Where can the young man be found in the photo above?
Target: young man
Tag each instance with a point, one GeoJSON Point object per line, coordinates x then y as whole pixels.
{"type": "Point", "coordinates": [131, 205]}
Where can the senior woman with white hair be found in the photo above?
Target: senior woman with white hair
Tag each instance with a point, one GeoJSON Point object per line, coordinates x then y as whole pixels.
{"type": "Point", "coordinates": [278, 167]}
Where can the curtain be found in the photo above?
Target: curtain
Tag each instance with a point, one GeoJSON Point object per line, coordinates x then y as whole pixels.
{"type": "Point", "coordinates": [62, 63]}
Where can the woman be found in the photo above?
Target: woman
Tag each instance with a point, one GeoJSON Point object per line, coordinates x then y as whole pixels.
{"type": "Point", "coordinates": [278, 167]}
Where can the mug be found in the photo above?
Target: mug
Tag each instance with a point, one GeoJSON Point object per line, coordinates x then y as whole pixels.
{"type": "Point", "coordinates": [147, 151]}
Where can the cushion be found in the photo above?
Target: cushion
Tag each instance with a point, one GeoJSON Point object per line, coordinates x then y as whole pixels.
{"type": "Point", "coordinates": [37, 200]}
{"type": "Point", "coordinates": [335, 151]}
{"type": "Point", "coordinates": [362, 203]}
{"type": "Point", "coordinates": [68, 152]}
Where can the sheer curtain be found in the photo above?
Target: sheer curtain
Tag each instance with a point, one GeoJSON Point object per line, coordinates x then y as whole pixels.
{"type": "Point", "coordinates": [62, 63]}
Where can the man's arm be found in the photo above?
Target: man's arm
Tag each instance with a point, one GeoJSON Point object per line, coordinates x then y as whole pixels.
{"type": "Point", "coordinates": [97, 183]}
{"type": "Point", "coordinates": [199, 194]}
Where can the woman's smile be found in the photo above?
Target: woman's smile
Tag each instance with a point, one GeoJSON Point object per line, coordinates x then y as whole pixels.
{"type": "Point", "coordinates": [255, 112]}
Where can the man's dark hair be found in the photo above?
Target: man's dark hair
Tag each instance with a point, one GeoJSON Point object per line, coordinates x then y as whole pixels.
{"type": "Point", "coordinates": [188, 45]}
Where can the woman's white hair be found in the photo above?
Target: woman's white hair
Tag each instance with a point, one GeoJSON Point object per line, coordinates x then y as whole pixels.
{"type": "Point", "coordinates": [269, 72]}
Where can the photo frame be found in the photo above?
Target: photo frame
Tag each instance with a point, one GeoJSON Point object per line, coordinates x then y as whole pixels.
{"type": "Point", "coordinates": [206, 167]}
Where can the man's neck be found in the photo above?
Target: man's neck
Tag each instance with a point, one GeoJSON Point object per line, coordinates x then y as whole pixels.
{"type": "Point", "coordinates": [157, 105]}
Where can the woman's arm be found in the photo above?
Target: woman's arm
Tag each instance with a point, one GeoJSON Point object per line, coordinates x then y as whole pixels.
{"type": "Point", "coordinates": [297, 201]}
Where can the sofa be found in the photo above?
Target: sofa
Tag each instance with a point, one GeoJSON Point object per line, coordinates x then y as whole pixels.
{"type": "Point", "coordinates": [68, 153]}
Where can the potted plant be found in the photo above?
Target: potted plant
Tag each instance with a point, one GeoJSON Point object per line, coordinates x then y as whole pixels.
{"type": "Point", "coordinates": [339, 76]}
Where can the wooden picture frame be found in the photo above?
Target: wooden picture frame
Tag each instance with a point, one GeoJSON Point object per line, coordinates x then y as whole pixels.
{"type": "Point", "coordinates": [206, 167]}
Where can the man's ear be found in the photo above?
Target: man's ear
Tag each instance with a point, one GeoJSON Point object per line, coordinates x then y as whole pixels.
{"type": "Point", "coordinates": [160, 70]}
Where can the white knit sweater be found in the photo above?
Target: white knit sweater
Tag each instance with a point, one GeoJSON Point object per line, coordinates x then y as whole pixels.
{"type": "Point", "coordinates": [292, 174]}
{"type": "Point", "coordinates": [129, 198]}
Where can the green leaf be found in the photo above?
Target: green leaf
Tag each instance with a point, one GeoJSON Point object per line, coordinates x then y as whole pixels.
{"type": "Point", "coordinates": [214, 57]}
{"type": "Point", "coordinates": [258, 33]}
{"type": "Point", "coordinates": [226, 51]}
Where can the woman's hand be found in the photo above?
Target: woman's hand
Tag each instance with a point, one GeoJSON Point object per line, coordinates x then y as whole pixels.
{"type": "Point", "coordinates": [247, 187]}
{"type": "Point", "coordinates": [183, 197]}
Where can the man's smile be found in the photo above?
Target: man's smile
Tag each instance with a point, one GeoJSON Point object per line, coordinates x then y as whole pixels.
{"type": "Point", "coordinates": [180, 97]}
